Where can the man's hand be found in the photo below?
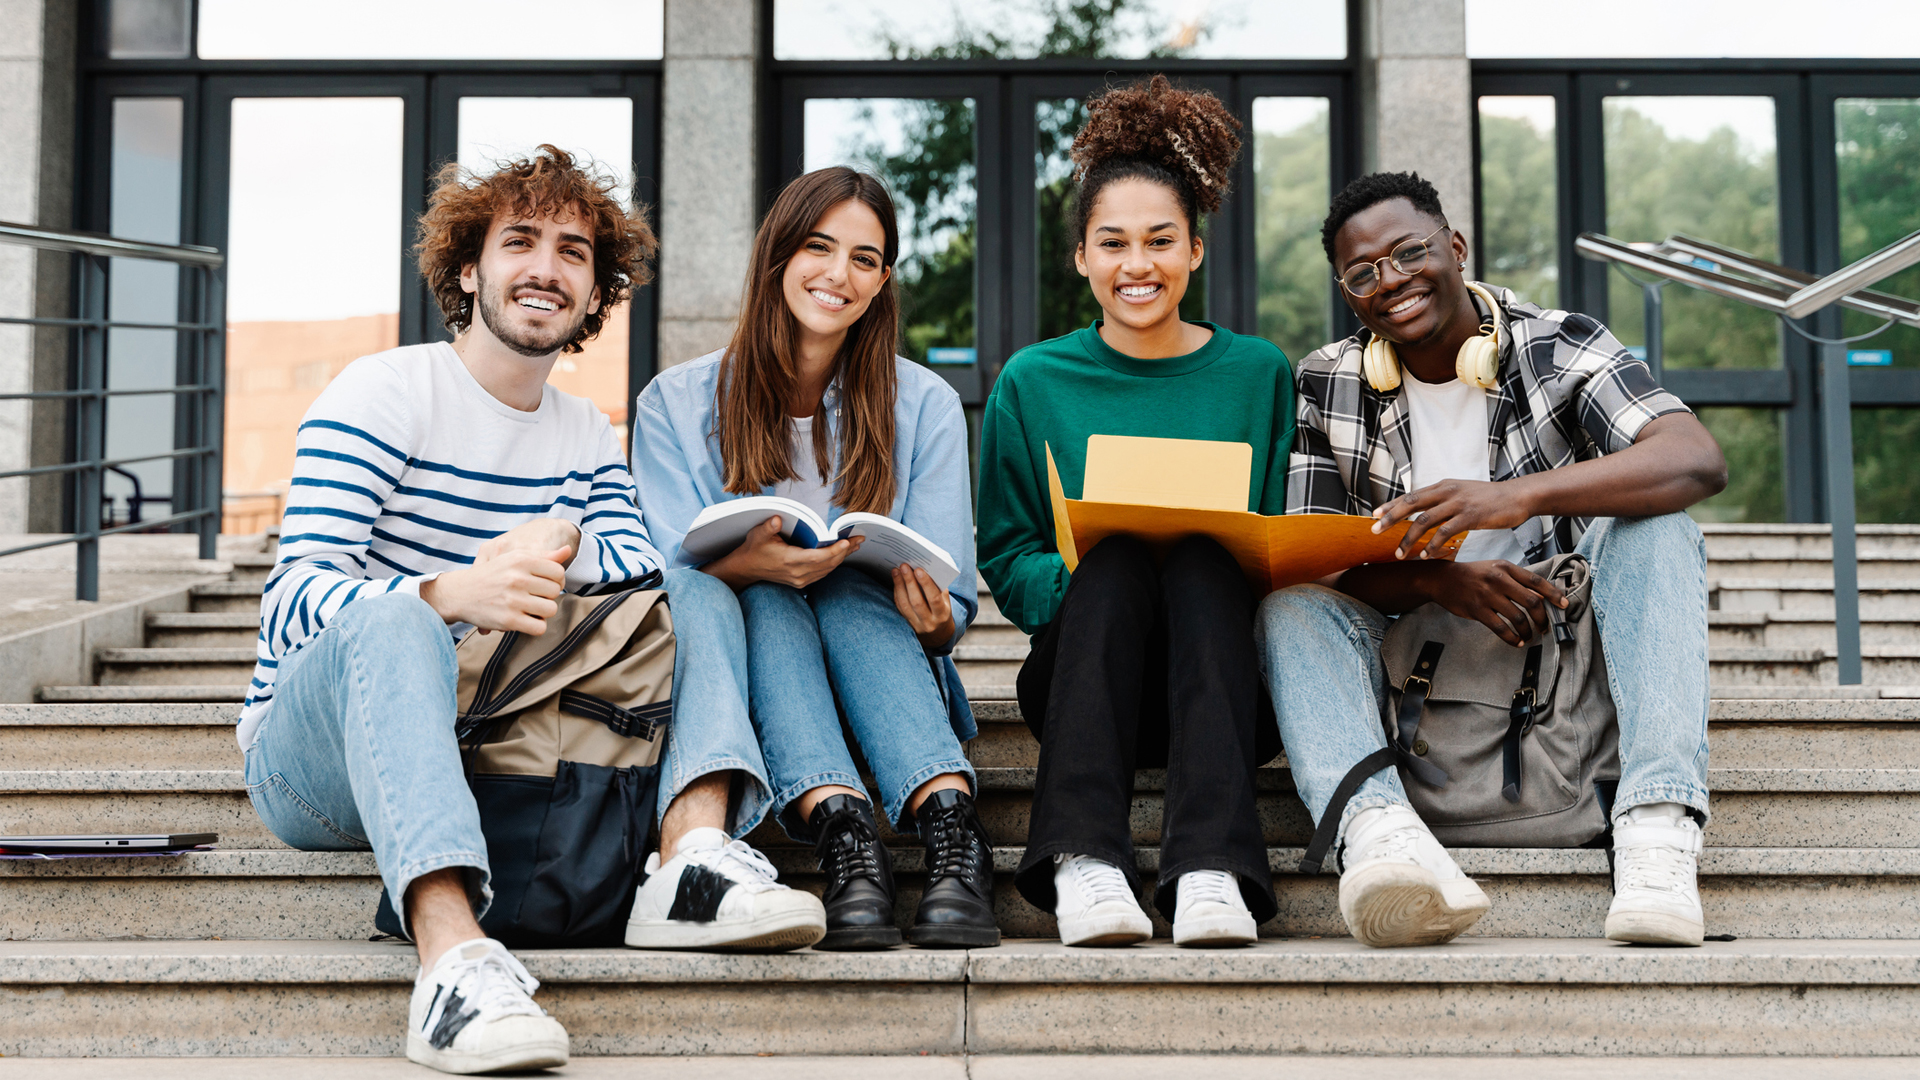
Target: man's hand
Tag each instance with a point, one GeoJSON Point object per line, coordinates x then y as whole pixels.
{"type": "Point", "coordinates": [926, 606]}
{"type": "Point", "coordinates": [512, 591]}
{"type": "Point", "coordinates": [538, 536]}
{"type": "Point", "coordinates": [1450, 508]}
{"type": "Point", "coordinates": [765, 555]}
{"type": "Point", "coordinates": [1507, 599]}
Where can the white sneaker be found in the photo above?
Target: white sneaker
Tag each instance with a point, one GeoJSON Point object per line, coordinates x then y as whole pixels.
{"type": "Point", "coordinates": [1095, 905]}
{"type": "Point", "coordinates": [717, 893]}
{"type": "Point", "coordinates": [1656, 886]}
{"type": "Point", "coordinates": [473, 1013]}
{"type": "Point", "coordinates": [1211, 911]}
{"type": "Point", "coordinates": [1398, 886]}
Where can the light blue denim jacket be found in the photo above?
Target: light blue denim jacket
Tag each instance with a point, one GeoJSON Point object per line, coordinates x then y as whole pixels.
{"type": "Point", "coordinates": [676, 464]}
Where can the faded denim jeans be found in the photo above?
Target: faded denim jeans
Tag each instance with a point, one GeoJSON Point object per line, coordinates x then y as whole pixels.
{"type": "Point", "coordinates": [1320, 654]}
{"type": "Point", "coordinates": [358, 751]}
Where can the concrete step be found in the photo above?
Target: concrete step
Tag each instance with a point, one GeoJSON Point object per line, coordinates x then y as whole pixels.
{"type": "Point", "coordinates": [175, 667]}
{"type": "Point", "coordinates": [1779, 541]}
{"type": "Point", "coordinates": [224, 692]}
{"type": "Point", "coordinates": [202, 629]}
{"type": "Point", "coordinates": [1880, 598]}
{"type": "Point", "coordinates": [228, 596]}
{"type": "Point", "coordinates": [1797, 630]}
{"type": "Point", "coordinates": [1473, 996]}
{"type": "Point", "coordinates": [251, 565]}
{"type": "Point", "coordinates": [1747, 892]}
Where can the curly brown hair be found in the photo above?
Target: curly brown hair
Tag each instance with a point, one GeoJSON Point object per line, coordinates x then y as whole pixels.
{"type": "Point", "coordinates": [547, 184]}
{"type": "Point", "coordinates": [1183, 139]}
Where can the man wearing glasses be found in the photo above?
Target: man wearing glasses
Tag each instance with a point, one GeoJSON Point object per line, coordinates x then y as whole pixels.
{"type": "Point", "coordinates": [1469, 409]}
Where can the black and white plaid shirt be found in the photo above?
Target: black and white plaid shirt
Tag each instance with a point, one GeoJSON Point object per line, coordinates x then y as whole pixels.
{"type": "Point", "coordinates": [1574, 395]}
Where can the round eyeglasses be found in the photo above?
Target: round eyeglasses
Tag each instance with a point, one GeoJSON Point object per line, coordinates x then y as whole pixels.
{"type": "Point", "coordinates": [1363, 279]}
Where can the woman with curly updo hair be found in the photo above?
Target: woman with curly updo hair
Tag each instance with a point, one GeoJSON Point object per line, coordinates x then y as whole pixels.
{"type": "Point", "coordinates": [1140, 658]}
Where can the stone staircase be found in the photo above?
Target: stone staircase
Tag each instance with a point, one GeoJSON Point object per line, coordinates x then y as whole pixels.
{"type": "Point", "coordinates": [1813, 864]}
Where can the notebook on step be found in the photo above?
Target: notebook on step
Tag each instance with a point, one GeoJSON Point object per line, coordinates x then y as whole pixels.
{"type": "Point", "coordinates": [103, 843]}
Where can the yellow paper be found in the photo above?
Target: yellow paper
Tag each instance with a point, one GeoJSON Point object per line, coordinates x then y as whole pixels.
{"type": "Point", "coordinates": [1274, 552]}
{"type": "Point", "coordinates": [1187, 473]}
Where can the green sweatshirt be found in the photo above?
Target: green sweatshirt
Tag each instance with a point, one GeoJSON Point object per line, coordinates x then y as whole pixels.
{"type": "Point", "coordinates": [1058, 392]}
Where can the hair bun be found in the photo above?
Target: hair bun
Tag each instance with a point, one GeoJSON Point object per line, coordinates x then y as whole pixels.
{"type": "Point", "coordinates": [1189, 132]}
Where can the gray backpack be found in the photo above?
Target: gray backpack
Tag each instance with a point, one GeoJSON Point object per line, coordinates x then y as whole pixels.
{"type": "Point", "coordinates": [1497, 746]}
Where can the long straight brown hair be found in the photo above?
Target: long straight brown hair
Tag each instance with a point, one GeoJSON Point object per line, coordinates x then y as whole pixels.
{"type": "Point", "coordinates": [761, 365]}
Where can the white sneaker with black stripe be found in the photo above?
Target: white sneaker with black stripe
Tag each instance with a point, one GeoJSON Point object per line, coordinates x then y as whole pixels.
{"type": "Point", "coordinates": [717, 893]}
{"type": "Point", "coordinates": [474, 1013]}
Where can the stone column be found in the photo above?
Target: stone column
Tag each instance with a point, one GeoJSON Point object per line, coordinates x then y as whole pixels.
{"type": "Point", "coordinates": [708, 170]}
{"type": "Point", "coordinates": [1416, 98]}
{"type": "Point", "coordinates": [36, 186]}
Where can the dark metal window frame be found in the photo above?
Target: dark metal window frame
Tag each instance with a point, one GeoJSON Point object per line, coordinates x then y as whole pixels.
{"type": "Point", "coordinates": [1803, 92]}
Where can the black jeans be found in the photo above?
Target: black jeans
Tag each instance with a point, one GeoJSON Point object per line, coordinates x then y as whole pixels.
{"type": "Point", "coordinates": [1149, 666]}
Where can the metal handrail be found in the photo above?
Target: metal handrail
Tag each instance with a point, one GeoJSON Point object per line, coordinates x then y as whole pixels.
{"type": "Point", "coordinates": [201, 393]}
{"type": "Point", "coordinates": [1790, 294]}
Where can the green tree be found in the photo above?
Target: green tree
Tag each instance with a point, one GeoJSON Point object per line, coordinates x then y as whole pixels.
{"type": "Point", "coordinates": [1520, 215]}
{"type": "Point", "coordinates": [1290, 201]}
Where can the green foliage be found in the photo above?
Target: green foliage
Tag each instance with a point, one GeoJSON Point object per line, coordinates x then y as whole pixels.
{"type": "Point", "coordinates": [1519, 241]}
{"type": "Point", "coordinates": [1290, 201]}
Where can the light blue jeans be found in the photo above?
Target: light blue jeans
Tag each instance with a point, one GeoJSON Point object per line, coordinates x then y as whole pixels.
{"type": "Point", "coordinates": [842, 639]}
{"type": "Point", "coordinates": [1320, 653]}
{"type": "Point", "coordinates": [358, 752]}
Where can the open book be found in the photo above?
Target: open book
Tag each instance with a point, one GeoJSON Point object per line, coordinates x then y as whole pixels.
{"type": "Point", "coordinates": [720, 528]}
{"type": "Point", "coordinates": [1162, 490]}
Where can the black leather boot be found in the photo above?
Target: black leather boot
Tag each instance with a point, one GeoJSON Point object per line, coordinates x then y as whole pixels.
{"type": "Point", "coordinates": [859, 871]}
{"type": "Point", "coordinates": [956, 911]}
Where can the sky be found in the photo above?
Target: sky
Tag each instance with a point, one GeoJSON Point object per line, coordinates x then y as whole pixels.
{"type": "Point", "coordinates": [1692, 28]}
{"type": "Point", "coordinates": [429, 29]}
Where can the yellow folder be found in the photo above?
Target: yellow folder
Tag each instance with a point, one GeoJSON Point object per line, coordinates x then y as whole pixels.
{"type": "Point", "coordinates": [1164, 490]}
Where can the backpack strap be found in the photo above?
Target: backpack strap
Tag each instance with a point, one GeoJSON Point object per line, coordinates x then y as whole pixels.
{"type": "Point", "coordinates": [641, 723]}
{"type": "Point", "coordinates": [1399, 750]}
{"type": "Point", "coordinates": [1519, 721]}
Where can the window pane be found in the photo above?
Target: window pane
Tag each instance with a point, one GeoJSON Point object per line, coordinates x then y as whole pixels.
{"type": "Point", "coordinates": [427, 30]}
{"type": "Point", "coordinates": [1066, 302]}
{"type": "Point", "coordinates": [147, 29]}
{"type": "Point", "coordinates": [1622, 28]}
{"type": "Point", "coordinates": [599, 133]}
{"type": "Point", "coordinates": [1290, 179]}
{"type": "Point", "coordinates": [924, 149]}
{"type": "Point", "coordinates": [1755, 485]}
{"type": "Point", "coordinates": [1702, 166]}
{"type": "Point", "coordinates": [144, 204]}
{"type": "Point", "coordinates": [299, 312]}
{"type": "Point", "coordinates": [1877, 143]}
{"type": "Point", "coordinates": [1022, 29]}
{"type": "Point", "coordinates": [1519, 198]}
{"type": "Point", "coordinates": [1886, 486]}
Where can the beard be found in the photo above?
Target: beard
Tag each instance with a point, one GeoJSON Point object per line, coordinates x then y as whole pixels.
{"type": "Point", "coordinates": [527, 340]}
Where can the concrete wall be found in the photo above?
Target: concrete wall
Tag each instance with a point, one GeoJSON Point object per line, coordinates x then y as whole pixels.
{"type": "Point", "coordinates": [1416, 99]}
{"type": "Point", "coordinates": [708, 170]}
{"type": "Point", "coordinates": [37, 88]}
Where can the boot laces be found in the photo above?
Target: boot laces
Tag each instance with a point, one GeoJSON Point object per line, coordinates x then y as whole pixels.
{"type": "Point", "coordinates": [1099, 881]}
{"type": "Point", "coordinates": [954, 845]}
{"type": "Point", "coordinates": [847, 847]}
{"type": "Point", "coordinates": [740, 864]}
{"type": "Point", "coordinates": [496, 984]}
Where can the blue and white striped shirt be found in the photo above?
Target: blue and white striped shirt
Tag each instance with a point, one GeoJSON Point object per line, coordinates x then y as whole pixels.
{"type": "Point", "coordinates": [404, 466]}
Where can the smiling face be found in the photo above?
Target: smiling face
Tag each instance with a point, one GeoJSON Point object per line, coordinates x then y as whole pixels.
{"type": "Point", "coordinates": [534, 284]}
{"type": "Point", "coordinates": [1409, 309]}
{"type": "Point", "coordinates": [832, 280]}
{"type": "Point", "coordinates": [1138, 254]}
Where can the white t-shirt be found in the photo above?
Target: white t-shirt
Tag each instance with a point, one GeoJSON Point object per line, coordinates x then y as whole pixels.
{"type": "Point", "coordinates": [809, 491]}
{"type": "Point", "coordinates": [1449, 422]}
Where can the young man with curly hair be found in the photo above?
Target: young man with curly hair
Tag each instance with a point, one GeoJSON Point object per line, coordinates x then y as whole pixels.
{"type": "Point", "coordinates": [443, 488]}
{"type": "Point", "coordinates": [1554, 440]}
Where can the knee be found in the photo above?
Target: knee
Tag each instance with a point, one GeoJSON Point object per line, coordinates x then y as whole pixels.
{"type": "Point", "coordinates": [395, 617]}
{"type": "Point", "coordinates": [1199, 558]}
{"type": "Point", "coordinates": [763, 599]}
{"type": "Point", "coordinates": [1301, 611]}
{"type": "Point", "coordinates": [848, 585]}
{"type": "Point", "coordinates": [1118, 558]}
{"type": "Point", "coordinates": [1661, 538]}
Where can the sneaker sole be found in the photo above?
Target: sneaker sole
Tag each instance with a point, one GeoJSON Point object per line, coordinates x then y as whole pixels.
{"type": "Point", "coordinates": [859, 939]}
{"type": "Point", "coordinates": [1221, 932]}
{"type": "Point", "coordinates": [1654, 928]}
{"type": "Point", "coordinates": [1392, 905]}
{"type": "Point", "coordinates": [775, 933]}
{"type": "Point", "coordinates": [1105, 933]}
{"type": "Point", "coordinates": [954, 937]}
{"type": "Point", "coordinates": [538, 1055]}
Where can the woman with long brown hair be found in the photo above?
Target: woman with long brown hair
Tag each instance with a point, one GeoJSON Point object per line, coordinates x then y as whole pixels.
{"type": "Point", "coordinates": [810, 402]}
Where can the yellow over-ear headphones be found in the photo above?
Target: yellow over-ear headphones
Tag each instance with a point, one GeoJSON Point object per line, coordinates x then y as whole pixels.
{"type": "Point", "coordinates": [1478, 363]}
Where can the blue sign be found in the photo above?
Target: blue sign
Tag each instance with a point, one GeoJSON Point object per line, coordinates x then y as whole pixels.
{"type": "Point", "coordinates": [1639, 352]}
{"type": "Point", "coordinates": [1870, 357]}
{"type": "Point", "coordinates": [957, 357]}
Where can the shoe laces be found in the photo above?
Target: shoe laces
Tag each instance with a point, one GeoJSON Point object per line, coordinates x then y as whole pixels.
{"type": "Point", "coordinates": [495, 984]}
{"type": "Point", "coordinates": [954, 845]}
{"type": "Point", "coordinates": [740, 864]}
{"type": "Point", "coordinates": [1098, 881]}
{"type": "Point", "coordinates": [1656, 868]}
{"type": "Point", "coordinates": [1209, 887]}
{"type": "Point", "coordinates": [848, 847]}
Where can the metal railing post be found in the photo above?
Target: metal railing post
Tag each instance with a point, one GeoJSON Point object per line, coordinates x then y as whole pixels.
{"type": "Point", "coordinates": [1836, 420]}
{"type": "Point", "coordinates": [212, 405]}
{"type": "Point", "coordinates": [90, 438]}
{"type": "Point", "coordinates": [1654, 310]}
